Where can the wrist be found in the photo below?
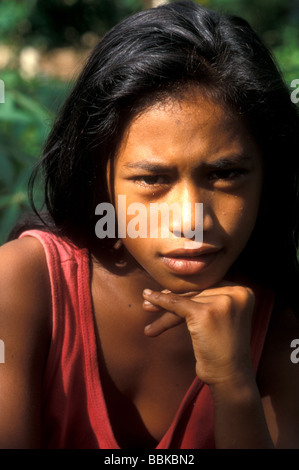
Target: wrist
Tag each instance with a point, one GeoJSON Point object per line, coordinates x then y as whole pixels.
{"type": "Point", "coordinates": [238, 408]}
{"type": "Point", "coordinates": [237, 389]}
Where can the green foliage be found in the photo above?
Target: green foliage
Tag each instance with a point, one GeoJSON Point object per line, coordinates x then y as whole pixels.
{"type": "Point", "coordinates": [30, 105]}
{"type": "Point", "coordinates": [25, 119]}
{"type": "Point", "coordinates": [13, 19]}
{"type": "Point", "coordinates": [58, 23]}
{"type": "Point", "coordinates": [287, 52]}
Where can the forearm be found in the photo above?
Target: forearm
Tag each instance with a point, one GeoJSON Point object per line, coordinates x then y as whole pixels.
{"type": "Point", "coordinates": [239, 417]}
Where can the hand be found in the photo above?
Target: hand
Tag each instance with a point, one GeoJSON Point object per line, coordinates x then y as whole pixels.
{"type": "Point", "coordinates": [219, 322]}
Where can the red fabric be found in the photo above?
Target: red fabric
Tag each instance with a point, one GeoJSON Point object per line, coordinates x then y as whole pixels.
{"type": "Point", "coordinates": [74, 410]}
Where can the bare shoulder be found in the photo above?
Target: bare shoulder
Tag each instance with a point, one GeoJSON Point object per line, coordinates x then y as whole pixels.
{"type": "Point", "coordinates": [25, 324]}
{"type": "Point", "coordinates": [24, 279]}
{"type": "Point", "coordinates": [278, 378]}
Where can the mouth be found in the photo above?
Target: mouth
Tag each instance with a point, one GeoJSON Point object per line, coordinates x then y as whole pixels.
{"type": "Point", "coordinates": [187, 262]}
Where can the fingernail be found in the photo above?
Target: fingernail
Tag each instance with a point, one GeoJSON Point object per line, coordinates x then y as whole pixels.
{"type": "Point", "coordinates": [147, 292]}
{"type": "Point", "coordinates": [147, 303]}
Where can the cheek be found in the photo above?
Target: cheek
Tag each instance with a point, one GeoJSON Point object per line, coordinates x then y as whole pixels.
{"type": "Point", "coordinates": [143, 251]}
{"type": "Point", "coordinates": [239, 217]}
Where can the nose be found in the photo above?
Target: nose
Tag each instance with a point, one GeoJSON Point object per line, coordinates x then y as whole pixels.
{"type": "Point", "coordinates": [194, 214]}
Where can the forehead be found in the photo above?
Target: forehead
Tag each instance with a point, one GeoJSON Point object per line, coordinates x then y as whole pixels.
{"type": "Point", "coordinates": [187, 128]}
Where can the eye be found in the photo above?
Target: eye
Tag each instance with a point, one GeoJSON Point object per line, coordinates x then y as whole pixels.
{"type": "Point", "coordinates": [152, 180]}
{"type": "Point", "coordinates": [229, 174]}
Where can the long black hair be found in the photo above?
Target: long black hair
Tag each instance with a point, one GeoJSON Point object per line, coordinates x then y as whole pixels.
{"type": "Point", "coordinates": [157, 53]}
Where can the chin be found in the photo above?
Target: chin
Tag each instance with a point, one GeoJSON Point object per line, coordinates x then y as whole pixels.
{"type": "Point", "coordinates": [185, 285]}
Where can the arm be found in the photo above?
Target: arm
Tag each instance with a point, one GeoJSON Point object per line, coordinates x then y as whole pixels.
{"type": "Point", "coordinates": [24, 330]}
{"type": "Point", "coordinates": [219, 322]}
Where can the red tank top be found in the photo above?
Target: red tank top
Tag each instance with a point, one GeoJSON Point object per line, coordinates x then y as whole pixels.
{"type": "Point", "coordinates": [74, 413]}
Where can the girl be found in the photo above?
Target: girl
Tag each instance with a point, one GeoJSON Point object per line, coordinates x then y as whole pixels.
{"type": "Point", "coordinates": [160, 342]}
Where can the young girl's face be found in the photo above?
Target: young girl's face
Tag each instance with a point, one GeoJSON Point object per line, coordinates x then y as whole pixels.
{"type": "Point", "coordinates": [190, 150]}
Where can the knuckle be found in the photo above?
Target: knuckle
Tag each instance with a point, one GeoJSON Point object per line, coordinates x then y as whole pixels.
{"type": "Point", "coordinates": [173, 299]}
{"type": "Point", "coordinates": [250, 293]}
{"type": "Point", "coordinates": [241, 293]}
{"type": "Point", "coordinates": [246, 295]}
{"type": "Point", "coordinates": [226, 302]}
{"type": "Point", "coordinates": [156, 295]}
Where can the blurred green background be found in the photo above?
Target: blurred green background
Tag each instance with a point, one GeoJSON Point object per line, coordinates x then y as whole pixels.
{"type": "Point", "coordinates": [43, 44]}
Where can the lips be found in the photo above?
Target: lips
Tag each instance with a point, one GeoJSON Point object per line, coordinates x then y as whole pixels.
{"type": "Point", "coordinates": [187, 262]}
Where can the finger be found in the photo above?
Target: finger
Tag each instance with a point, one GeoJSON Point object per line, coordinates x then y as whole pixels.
{"type": "Point", "coordinates": [167, 321]}
{"type": "Point", "coordinates": [149, 307]}
{"type": "Point", "coordinates": [227, 288]}
{"type": "Point", "coordinates": [221, 287]}
{"type": "Point", "coordinates": [170, 302]}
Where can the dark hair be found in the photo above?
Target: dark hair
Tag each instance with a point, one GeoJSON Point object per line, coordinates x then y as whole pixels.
{"type": "Point", "coordinates": [146, 57]}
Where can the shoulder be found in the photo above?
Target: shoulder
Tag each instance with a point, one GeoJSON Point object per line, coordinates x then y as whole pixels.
{"type": "Point", "coordinates": [24, 273]}
{"type": "Point", "coordinates": [25, 333]}
{"type": "Point", "coordinates": [25, 294]}
{"type": "Point", "coordinates": [278, 378]}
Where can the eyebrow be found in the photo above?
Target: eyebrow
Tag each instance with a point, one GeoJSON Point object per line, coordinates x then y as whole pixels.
{"type": "Point", "coordinates": [235, 159]}
{"type": "Point", "coordinates": [147, 166]}
{"type": "Point", "coordinates": [224, 162]}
